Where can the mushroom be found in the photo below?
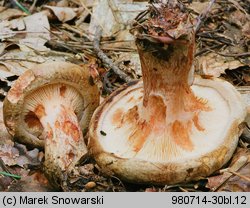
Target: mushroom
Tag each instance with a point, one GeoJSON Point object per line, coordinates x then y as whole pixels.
{"type": "Point", "coordinates": [51, 106]}
{"type": "Point", "coordinates": [171, 127]}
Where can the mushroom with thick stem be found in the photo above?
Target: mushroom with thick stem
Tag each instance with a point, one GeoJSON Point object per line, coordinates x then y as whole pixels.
{"type": "Point", "coordinates": [51, 106]}
{"type": "Point", "coordinates": [172, 127]}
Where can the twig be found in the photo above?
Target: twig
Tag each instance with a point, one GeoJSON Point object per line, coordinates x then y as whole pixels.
{"type": "Point", "coordinates": [230, 55]}
{"type": "Point", "coordinates": [239, 7]}
{"type": "Point", "coordinates": [75, 30]}
{"type": "Point", "coordinates": [233, 54]}
{"type": "Point", "coordinates": [87, 46]}
{"type": "Point", "coordinates": [3, 166]}
{"type": "Point", "coordinates": [203, 15]}
{"type": "Point", "coordinates": [33, 6]}
{"type": "Point", "coordinates": [207, 49]}
{"type": "Point", "coordinates": [92, 15]}
{"type": "Point", "coordinates": [107, 62]}
{"type": "Point", "coordinates": [117, 15]}
{"type": "Point", "coordinates": [183, 190]}
{"type": "Point", "coordinates": [239, 175]}
{"type": "Point", "coordinates": [19, 59]}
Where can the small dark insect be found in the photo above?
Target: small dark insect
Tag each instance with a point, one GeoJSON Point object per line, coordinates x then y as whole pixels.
{"type": "Point", "coordinates": [103, 133]}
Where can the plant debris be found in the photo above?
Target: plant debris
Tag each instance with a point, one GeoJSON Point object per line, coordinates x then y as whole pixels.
{"type": "Point", "coordinates": [35, 32]}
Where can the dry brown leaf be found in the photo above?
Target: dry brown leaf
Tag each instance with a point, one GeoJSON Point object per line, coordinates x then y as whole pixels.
{"type": "Point", "coordinates": [4, 73]}
{"type": "Point", "coordinates": [37, 28]}
{"type": "Point", "coordinates": [239, 162]}
{"type": "Point", "coordinates": [198, 6]}
{"type": "Point", "coordinates": [35, 182]}
{"type": "Point", "coordinates": [246, 30]}
{"type": "Point", "coordinates": [17, 24]}
{"type": "Point", "coordinates": [5, 31]}
{"type": "Point", "coordinates": [8, 13]}
{"type": "Point", "coordinates": [15, 154]}
{"type": "Point", "coordinates": [117, 14]}
{"type": "Point", "coordinates": [64, 14]}
{"type": "Point", "coordinates": [238, 18]}
{"type": "Point", "coordinates": [7, 152]}
{"type": "Point", "coordinates": [8, 68]}
{"type": "Point", "coordinates": [62, 3]}
{"type": "Point", "coordinates": [129, 63]}
{"type": "Point", "coordinates": [238, 183]}
{"type": "Point", "coordinates": [215, 65]}
{"type": "Point", "coordinates": [26, 157]}
{"type": "Point", "coordinates": [17, 61]}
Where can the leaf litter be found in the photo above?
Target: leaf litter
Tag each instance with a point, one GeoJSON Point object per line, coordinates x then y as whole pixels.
{"type": "Point", "coordinates": [66, 32]}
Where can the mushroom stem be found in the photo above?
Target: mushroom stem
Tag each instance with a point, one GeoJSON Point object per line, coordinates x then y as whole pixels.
{"type": "Point", "coordinates": [62, 134]}
{"type": "Point", "coordinates": [63, 137]}
{"type": "Point", "coordinates": [169, 105]}
{"type": "Point", "coordinates": [167, 74]}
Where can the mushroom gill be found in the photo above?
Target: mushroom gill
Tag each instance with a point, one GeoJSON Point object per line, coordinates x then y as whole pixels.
{"type": "Point", "coordinates": [50, 107]}
{"type": "Point", "coordinates": [170, 127]}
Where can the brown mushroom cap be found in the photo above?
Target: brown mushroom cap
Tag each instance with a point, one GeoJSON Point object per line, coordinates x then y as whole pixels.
{"type": "Point", "coordinates": [25, 126]}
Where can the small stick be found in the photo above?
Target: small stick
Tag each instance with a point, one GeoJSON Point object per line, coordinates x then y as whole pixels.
{"type": "Point", "coordinates": [182, 189]}
{"type": "Point", "coordinates": [92, 15]}
{"type": "Point", "coordinates": [33, 6]}
{"type": "Point", "coordinates": [203, 16]}
{"type": "Point", "coordinates": [19, 59]}
{"type": "Point", "coordinates": [233, 54]}
{"type": "Point", "coordinates": [239, 175]}
{"type": "Point", "coordinates": [107, 61]}
{"type": "Point", "coordinates": [117, 15]}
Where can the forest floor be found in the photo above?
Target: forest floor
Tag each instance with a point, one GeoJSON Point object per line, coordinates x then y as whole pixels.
{"type": "Point", "coordinates": [35, 32]}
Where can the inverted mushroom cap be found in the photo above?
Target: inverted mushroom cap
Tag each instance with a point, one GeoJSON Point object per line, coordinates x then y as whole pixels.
{"type": "Point", "coordinates": [160, 161]}
{"type": "Point", "coordinates": [162, 130]}
{"type": "Point", "coordinates": [37, 87]}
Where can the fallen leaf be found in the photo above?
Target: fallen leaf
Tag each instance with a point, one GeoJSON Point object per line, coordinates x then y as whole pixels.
{"type": "Point", "coordinates": [215, 65]}
{"type": "Point", "coordinates": [17, 24]}
{"type": "Point", "coordinates": [129, 63]}
{"type": "Point", "coordinates": [37, 29]}
{"type": "Point", "coordinates": [246, 30]}
{"type": "Point", "coordinates": [9, 13]}
{"type": "Point", "coordinates": [12, 69]}
{"type": "Point", "coordinates": [116, 13]}
{"type": "Point", "coordinates": [237, 183]}
{"type": "Point", "coordinates": [7, 150]}
{"type": "Point", "coordinates": [5, 31]}
{"type": "Point", "coordinates": [63, 14]}
{"type": "Point", "coordinates": [26, 157]}
{"type": "Point", "coordinates": [239, 162]}
{"type": "Point", "coordinates": [36, 182]}
{"type": "Point", "coordinates": [13, 153]}
{"type": "Point", "coordinates": [237, 17]}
